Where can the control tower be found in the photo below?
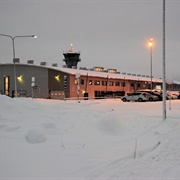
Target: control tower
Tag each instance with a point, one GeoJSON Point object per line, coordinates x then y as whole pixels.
{"type": "Point", "coordinates": [71, 57]}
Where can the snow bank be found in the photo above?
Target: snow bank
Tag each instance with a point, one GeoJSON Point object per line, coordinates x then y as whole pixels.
{"type": "Point", "coordinates": [94, 139]}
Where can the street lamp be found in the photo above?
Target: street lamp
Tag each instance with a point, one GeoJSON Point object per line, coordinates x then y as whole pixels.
{"type": "Point", "coordinates": [164, 59]}
{"type": "Point", "coordinates": [150, 45]}
{"type": "Point", "coordinates": [14, 57]}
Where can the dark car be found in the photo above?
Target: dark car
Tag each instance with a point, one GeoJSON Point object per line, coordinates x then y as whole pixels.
{"type": "Point", "coordinates": [159, 95]}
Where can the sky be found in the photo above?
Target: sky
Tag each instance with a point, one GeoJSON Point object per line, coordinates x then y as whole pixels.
{"type": "Point", "coordinates": [90, 140]}
{"type": "Point", "coordinates": [108, 33]}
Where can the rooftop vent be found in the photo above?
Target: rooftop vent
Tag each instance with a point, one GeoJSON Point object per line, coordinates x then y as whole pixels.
{"type": "Point", "coordinates": [16, 60]}
{"type": "Point", "coordinates": [112, 70]}
{"type": "Point", "coordinates": [54, 64]}
{"type": "Point", "coordinates": [43, 63]}
{"type": "Point", "coordinates": [101, 69]}
{"type": "Point", "coordinates": [64, 66]}
{"type": "Point", "coordinates": [30, 61]}
{"type": "Point", "coordinates": [74, 67]}
{"type": "Point", "coordinates": [83, 68]}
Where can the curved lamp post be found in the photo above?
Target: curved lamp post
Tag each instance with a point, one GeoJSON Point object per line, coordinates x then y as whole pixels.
{"type": "Point", "coordinates": [14, 57]}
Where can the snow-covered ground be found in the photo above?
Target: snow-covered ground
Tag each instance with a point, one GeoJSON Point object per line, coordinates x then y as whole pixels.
{"type": "Point", "coordinates": [93, 139]}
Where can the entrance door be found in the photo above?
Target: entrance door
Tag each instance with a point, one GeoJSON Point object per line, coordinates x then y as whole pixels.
{"type": "Point", "coordinates": [6, 85]}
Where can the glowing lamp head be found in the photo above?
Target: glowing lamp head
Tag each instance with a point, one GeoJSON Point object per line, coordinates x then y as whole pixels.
{"type": "Point", "coordinates": [150, 42]}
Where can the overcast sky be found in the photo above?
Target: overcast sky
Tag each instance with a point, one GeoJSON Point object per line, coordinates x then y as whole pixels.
{"type": "Point", "coordinates": [108, 33]}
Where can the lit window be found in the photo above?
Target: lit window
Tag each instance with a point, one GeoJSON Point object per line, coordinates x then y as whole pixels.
{"type": "Point", "coordinates": [76, 81]}
{"type": "Point", "coordinates": [90, 82]}
{"type": "Point", "coordinates": [6, 85]}
{"type": "Point", "coordinates": [96, 82]}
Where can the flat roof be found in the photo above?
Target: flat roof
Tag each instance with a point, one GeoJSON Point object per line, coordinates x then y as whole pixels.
{"type": "Point", "coordinates": [93, 73]}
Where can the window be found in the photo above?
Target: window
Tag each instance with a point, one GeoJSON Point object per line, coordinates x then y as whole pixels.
{"type": "Point", "coordinates": [117, 83]}
{"type": "Point", "coordinates": [104, 83]}
{"type": "Point", "coordinates": [132, 84]}
{"type": "Point", "coordinates": [76, 81]}
{"type": "Point", "coordinates": [123, 84]}
{"type": "Point", "coordinates": [136, 94]}
{"type": "Point", "coordinates": [96, 82]}
{"type": "Point", "coordinates": [6, 85]}
{"type": "Point", "coordinates": [90, 82]}
{"type": "Point", "coordinates": [82, 81]}
{"type": "Point", "coordinates": [131, 94]}
{"type": "Point", "coordinates": [111, 83]}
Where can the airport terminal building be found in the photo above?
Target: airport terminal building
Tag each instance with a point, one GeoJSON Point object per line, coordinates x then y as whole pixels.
{"type": "Point", "coordinates": [42, 81]}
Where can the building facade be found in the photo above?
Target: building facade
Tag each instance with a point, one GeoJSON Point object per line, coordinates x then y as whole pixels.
{"type": "Point", "coordinates": [48, 82]}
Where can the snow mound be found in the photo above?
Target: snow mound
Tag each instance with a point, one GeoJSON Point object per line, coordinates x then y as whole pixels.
{"type": "Point", "coordinates": [35, 136]}
{"type": "Point", "coordinates": [110, 125]}
{"type": "Point", "coordinates": [49, 125]}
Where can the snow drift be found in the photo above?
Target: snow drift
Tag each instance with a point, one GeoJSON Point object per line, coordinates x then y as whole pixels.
{"type": "Point", "coordinates": [93, 139]}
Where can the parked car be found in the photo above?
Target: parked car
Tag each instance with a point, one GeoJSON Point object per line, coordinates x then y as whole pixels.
{"type": "Point", "coordinates": [150, 97]}
{"type": "Point", "coordinates": [173, 94]}
{"type": "Point", "coordinates": [179, 95]}
{"type": "Point", "coordinates": [153, 94]}
{"type": "Point", "coordinates": [135, 96]}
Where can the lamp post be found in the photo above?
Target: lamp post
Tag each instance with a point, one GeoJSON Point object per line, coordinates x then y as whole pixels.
{"type": "Point", "coordinates": [164, 59]}
{"type": "Point", "coordinates": [14, 56]}
{"type": "Point", "coordinates": [150, 45]}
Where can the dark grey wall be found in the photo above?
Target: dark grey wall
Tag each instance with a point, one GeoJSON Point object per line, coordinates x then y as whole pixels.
{"type": "Point", "coordinates": [54, 84]}
{"type": "Point", "coordinates": [27, 72]}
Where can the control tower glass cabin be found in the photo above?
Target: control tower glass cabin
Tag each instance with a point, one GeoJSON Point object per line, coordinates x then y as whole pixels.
{"type": "Point", "coordinates": [71, 57]}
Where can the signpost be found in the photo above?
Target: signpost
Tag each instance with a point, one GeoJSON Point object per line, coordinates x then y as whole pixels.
{"type": "Point", "coordinates": [33, 85]}
{"type": "Point", "coordinates": [65, 86]}
{"type": "Point", "coordinates": [78, 85]}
